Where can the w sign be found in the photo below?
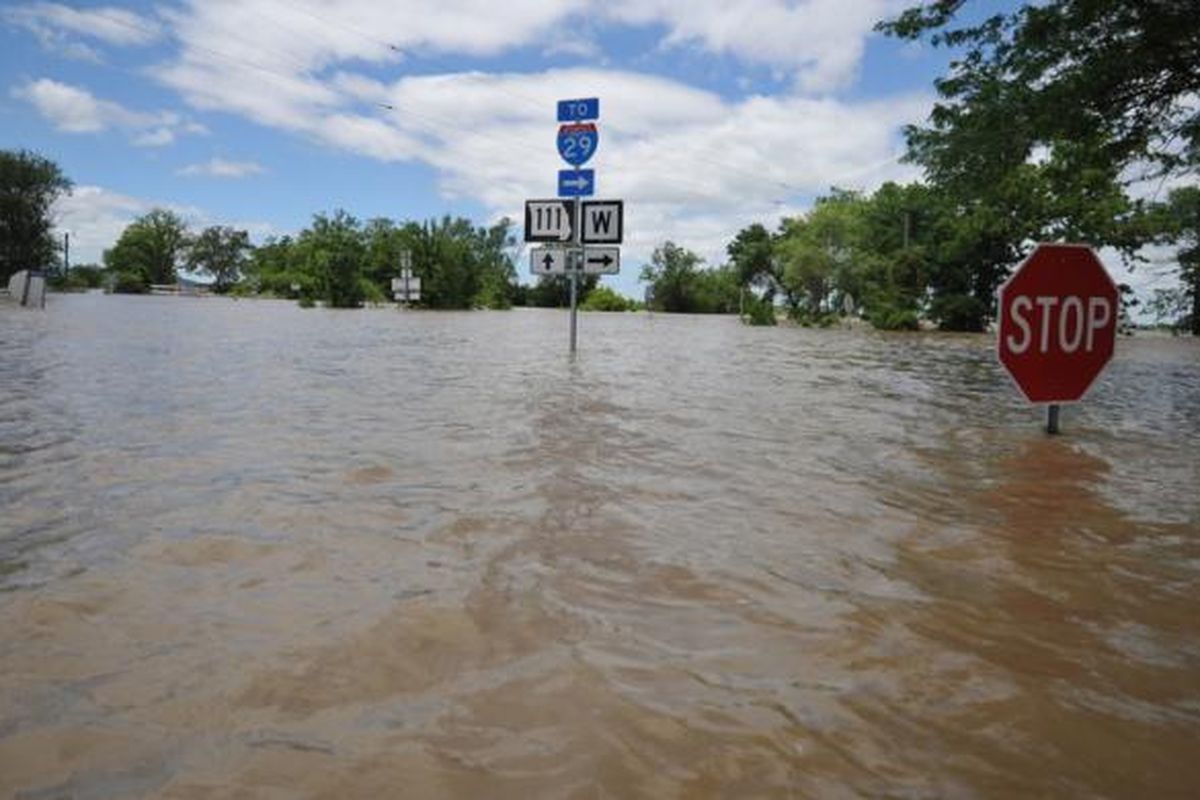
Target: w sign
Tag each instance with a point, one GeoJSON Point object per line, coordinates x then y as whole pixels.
{"type": "Point", "coordinates": [603, 221]}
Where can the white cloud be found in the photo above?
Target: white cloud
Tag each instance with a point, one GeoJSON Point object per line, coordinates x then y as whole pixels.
{"type": "Point", "coordinates": [73, 109]}
{"type": "Point", "coordinates": [307, 35]}
{"type": "Point", "coordinates": [220, 168]}
{"type": "Point", "coordinates": [156, 137]}
{"type": "Point", "coordinates": [58, 27]}
{"type": "Point", "coordinates": [820, 41]}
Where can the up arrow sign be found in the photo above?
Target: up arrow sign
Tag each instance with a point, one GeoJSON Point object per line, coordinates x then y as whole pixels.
{"type": "Point", "coordinates": [576, 182]}
{"type": "Point", "coordinates": [548, 261]}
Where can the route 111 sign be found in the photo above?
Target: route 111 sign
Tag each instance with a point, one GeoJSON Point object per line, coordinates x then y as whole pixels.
{"type": "Point", "coordinates": [549, 220]}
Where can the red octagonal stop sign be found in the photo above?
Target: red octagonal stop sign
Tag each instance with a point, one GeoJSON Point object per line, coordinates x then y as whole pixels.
{"type": "Point", "coordinates": [1058, 322]}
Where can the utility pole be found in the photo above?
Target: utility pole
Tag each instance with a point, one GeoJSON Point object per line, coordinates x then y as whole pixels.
{"type": "Point", "coordinates": [66, 254]}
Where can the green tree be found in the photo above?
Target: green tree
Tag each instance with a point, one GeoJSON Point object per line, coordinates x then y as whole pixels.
{"type": "Point", "coordinates": [498, 273]}
{"type": "Point", "coordinates": [277, 265]}
{"type": "Point", "coordinates": [1101, 83]}
{"type": "Point", "coordinates": [29, 185]}
{"type": "Point", "coordinates": [717, 291]}
{"type": "Point", "coordinates": [1038, 125]}
{"type": "Point", "coordinates": [462, 266]}
{"type": "Point", "coordinates": [1182, 227]}
{"type": "Point", "coordinates": [221, 252]}
{"type": "Point", "coordinates": [678, 284]}
{"type": "Point", "coordinates": [752, 254]}
{"type": "Point", "coordinates": [148, 251]}
{"type": "Point", "coordinates": [331, 254]}
{"type": "Point", "coordinates": [904, 227]}
{"type": "Point", "coordinates": [817, 254]}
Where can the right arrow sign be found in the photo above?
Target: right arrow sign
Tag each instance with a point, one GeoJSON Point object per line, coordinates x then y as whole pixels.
{"type": "Point", "coordinates": [602, 260]}
{"type": "Point", "coordinates": [603, 221]}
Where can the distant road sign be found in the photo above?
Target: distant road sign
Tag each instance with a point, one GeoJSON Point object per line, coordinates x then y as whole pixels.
{"type": "Point", "coordinates": [602, 260]}
{"type": "Point", "coordinates": [406, 276]}
{"type": "Point", "coordinates": [548, 261]}
{"type": "Point", "coordinates": [549, 220]}
{"type": "Point", "coordinates": [603, 221]}
{"type": "Point", "coordinates": [576, 182]}
{"type": "Point", "coordinates": [577, 143]}
{"type": "Point", "coordinates": [579, 110]}
{"type": "Point", "coordinates": [406, 289]}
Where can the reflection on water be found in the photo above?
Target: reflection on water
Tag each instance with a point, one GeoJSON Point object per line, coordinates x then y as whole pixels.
{"type": "Point", "coordinates": [249, 550]}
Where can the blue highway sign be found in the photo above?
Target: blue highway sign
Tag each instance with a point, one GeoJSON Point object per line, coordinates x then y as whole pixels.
{"type": "Point", "coordinates": [577, 142]}
{"type": "Point", "coordinates": [576, 182]}
{"type": "Point", "coordinates": [579, 110]}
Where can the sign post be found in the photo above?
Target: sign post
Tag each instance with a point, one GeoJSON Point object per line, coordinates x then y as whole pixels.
{"type": "Point", "coordinates": [407, 288]}
{"type": "Point", "coordinates": [1058, 325]}
{"type": "Point", "coordinates": [567, 225]}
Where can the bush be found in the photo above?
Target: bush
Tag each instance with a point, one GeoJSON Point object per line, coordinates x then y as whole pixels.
{"type": "Point", "coordinates": [891, 318]}
{"type": "Point", "coordinates": [757, 311]}
{"type": "Point", "coordinates": [130, 283]}
{"type": "Point", "coordinates": [370, 291]}
{"type": "Point", "coordinates": [78, 279]}
{"type": "Point", "coordinates": [808, 319]}
{"type": "Point", "coordinates": [495, 294]}
{"type": "Point", "coordinates": [959, 312]}
{"type": "Point", "coordinates": [602, 298]}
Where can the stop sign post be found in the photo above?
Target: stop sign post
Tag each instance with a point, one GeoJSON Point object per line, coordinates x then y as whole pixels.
{"type": "Point", "coordinates": [1058, 324]}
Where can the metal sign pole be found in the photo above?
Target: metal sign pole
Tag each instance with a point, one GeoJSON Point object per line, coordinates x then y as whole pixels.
{"type": "Point", "coordinates": [574, 273]}
{"type": "Point", "coordinates": [574, 332]}
{"type": "Point", "coordinates": [1052, 418]}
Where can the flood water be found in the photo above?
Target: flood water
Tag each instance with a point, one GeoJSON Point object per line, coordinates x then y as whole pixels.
{"type": "Point", "coordinates": [249, 550]}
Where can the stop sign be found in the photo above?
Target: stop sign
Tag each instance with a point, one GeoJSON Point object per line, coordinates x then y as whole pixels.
{"type": "Point", "coordinates": [1058, 322]}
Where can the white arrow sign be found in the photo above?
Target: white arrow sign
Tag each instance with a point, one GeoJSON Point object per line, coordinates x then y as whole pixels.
{"type": "Point", "coordinates": [601, 260]}
{"type": "Point", "coordinates": [548, 261]}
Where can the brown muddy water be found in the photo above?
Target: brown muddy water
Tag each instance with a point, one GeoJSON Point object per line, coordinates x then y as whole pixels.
{"type": "Point", "coordinates": [248, 550]}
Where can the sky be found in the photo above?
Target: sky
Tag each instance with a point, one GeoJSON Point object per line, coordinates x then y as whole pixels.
{"type": "Point", "coordinates": [714, 114]}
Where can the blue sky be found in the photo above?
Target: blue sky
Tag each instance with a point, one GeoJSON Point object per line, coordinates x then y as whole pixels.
{"type": "Point", "coordinates": [260, 113]}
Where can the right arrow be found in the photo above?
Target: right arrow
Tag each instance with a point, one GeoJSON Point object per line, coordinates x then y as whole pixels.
{"type": "Point", "coordinates": [605, 260]}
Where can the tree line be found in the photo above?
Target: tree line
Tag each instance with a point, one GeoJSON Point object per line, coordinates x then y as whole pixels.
{"type": "Point", "coordinates": [337, 259]}
{"type": "Point", "coordinates": [340, 261]}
